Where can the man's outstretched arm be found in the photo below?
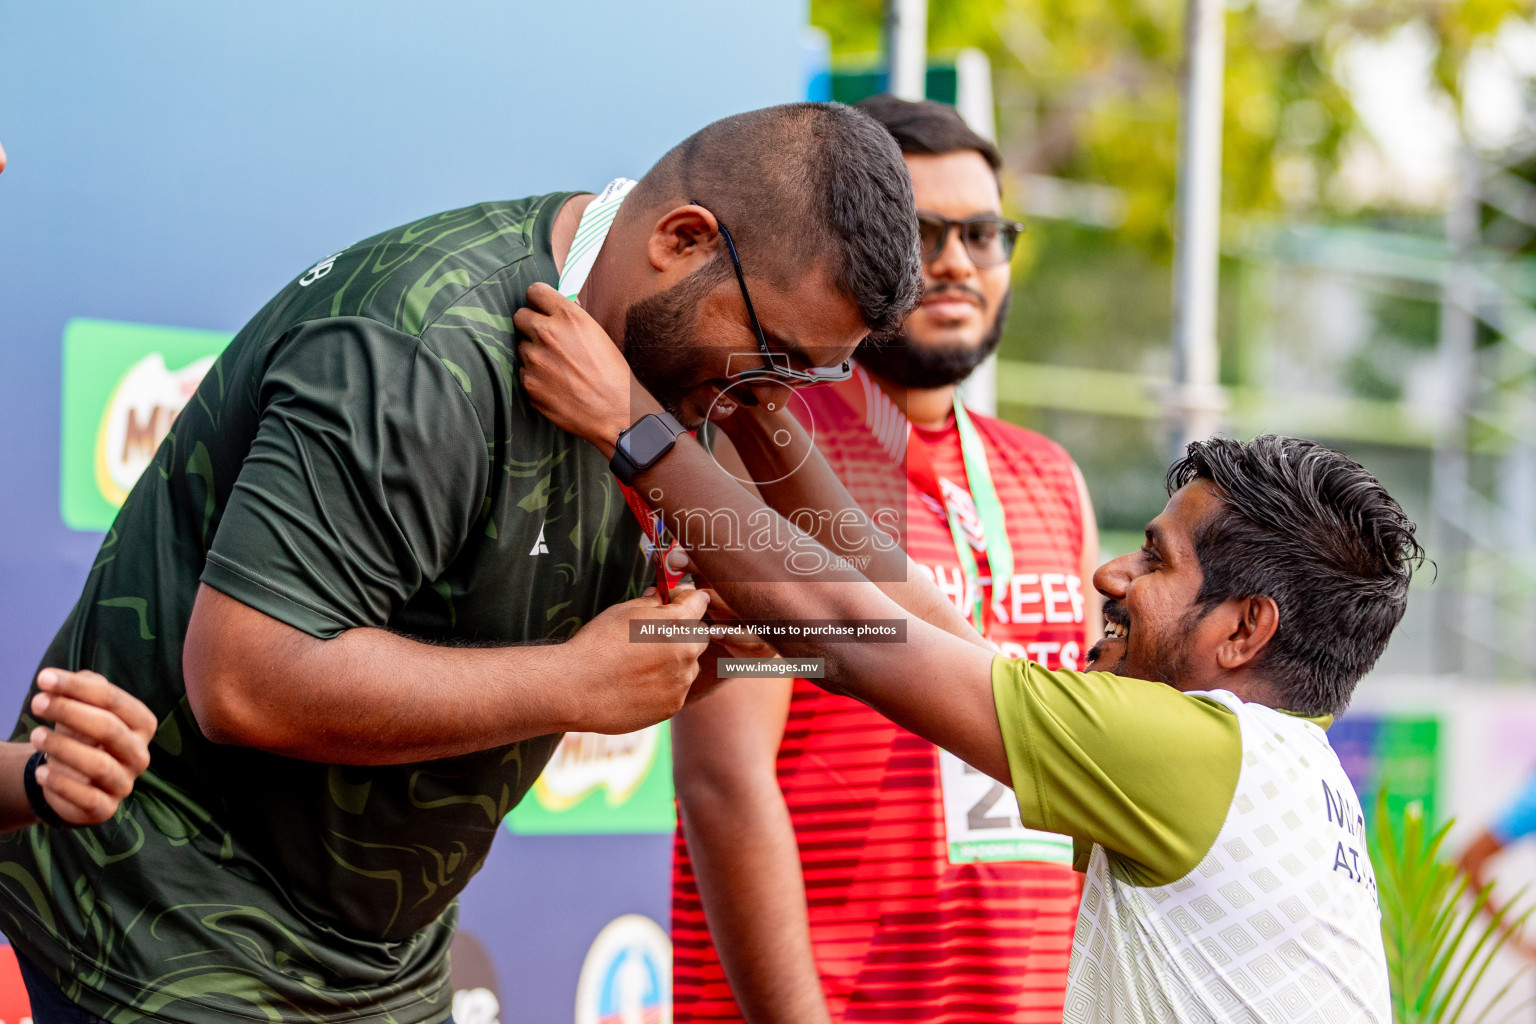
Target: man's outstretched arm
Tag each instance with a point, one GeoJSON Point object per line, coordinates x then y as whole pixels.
{"type": "Point", "coordinates": [773, 446]}
{"type": "Point", "coordinates": [935, 684]}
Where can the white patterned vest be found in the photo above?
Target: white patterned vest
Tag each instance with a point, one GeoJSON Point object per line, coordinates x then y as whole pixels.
{"type": "Point", "coordinates": [1279, 922]}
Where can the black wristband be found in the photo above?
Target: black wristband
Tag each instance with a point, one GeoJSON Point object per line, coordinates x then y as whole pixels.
{"type": "Point", "coordinates": [35, 799]}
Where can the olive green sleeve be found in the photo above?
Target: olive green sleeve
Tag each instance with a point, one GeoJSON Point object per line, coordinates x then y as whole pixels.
{"type": "Point", "coordinates": [1133, 766]}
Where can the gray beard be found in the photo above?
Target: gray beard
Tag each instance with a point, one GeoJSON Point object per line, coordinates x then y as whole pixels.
{"type": "Point", "coordinates": [919, 367]}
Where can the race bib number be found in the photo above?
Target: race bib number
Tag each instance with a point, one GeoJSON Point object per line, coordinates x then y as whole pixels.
{"type": "Point", "coordinates": [981, 820]}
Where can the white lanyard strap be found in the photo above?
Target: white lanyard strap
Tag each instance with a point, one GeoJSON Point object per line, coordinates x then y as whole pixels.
{"type": "Point", "coordinates": [596, 219]}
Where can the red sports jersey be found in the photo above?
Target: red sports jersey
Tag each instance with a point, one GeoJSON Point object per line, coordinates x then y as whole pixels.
{"type": "Point", "coordinates": [900, 933]}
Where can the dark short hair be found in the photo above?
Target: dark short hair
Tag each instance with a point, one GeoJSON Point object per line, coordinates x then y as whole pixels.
{"type": "Point", "coordinates": [928, 127]}
{"type": "Point", "coordinates": [1310, 528]}
{"type": "Point", "coordinates": [800, 185]}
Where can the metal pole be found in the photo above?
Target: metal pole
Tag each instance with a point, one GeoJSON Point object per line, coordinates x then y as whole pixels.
{"type": "Point", "coordinates": [906, 48]}
{"type": "Point", "coordinates": [973, 92]}
{"type": "Point", "coordinates": [1196, 402]}
{"type": "Point", "coordinates": [1449, 485]}
{"type": "Point", "coordinates": [973, 100]}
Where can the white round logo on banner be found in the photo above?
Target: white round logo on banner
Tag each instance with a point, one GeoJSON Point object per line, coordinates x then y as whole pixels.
{"type": "Point", "coordinates": [627, 975]}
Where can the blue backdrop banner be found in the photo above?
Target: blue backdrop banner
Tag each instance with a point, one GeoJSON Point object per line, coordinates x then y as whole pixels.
{"type": "Point", "coordinates": [173, 163]}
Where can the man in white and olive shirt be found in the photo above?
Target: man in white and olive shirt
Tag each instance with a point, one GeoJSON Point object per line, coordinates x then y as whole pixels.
{"type": "Point", "coordinates": [1227, 872]}
{"type": "Point", "coordinates": [1228, 878]}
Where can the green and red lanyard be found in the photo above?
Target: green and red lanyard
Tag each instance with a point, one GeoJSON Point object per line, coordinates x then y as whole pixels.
{"type": "Point", "coordinates": [591, 230]}
{"type": "Point", "coordinates": [857, 391]}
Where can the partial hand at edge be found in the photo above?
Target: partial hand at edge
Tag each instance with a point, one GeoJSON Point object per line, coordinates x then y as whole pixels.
{"type": "Point", "coordinates": [97, 748]}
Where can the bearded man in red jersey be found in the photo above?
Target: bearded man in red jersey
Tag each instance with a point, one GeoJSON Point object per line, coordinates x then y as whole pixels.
{"type": "Point", "coordinates": [831, 866]}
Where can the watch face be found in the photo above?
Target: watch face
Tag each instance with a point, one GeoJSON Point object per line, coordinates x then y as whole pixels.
{"type": "Point", "coordinates": [647, 441]}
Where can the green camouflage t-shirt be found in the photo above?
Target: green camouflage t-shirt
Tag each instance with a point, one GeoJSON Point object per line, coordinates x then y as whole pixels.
{"type": "Point", "coordinates": [361, 455]}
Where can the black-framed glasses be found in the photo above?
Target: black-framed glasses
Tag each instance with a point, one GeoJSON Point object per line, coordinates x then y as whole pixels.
{"type": "Point", "coordinates": [988, 238]}
{"type": "Point", "coordinates": [776, 368]}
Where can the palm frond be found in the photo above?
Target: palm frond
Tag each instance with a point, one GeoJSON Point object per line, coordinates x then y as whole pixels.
{"type": "Point", "coordinates": [1439, 944]}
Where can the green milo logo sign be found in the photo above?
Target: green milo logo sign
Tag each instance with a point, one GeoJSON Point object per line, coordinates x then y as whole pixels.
{"type": "Point", "coordinates": [602, 784]}
{"type": "Point", "coordinates": [124, 385]}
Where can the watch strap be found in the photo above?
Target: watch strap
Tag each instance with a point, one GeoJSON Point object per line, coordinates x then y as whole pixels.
{"type": "Point", "coordinates": [35, 798]}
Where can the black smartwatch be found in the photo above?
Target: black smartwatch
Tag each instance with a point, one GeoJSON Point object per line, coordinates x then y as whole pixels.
{"type": "Point", "coordinates": [643, 444]}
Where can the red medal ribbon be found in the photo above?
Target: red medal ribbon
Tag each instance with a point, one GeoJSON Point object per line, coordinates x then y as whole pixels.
{"type": "Point", "coordinates": [662, 543]}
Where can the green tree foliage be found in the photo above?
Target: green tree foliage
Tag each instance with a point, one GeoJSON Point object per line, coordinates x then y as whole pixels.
{"type": "Point", "coordinates": [1088, 89]}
